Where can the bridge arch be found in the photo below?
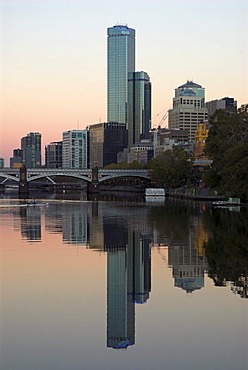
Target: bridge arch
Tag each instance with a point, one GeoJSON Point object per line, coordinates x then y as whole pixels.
{"type": "Point", "coordinates": [7, 177]}
{"type": "Point", "coordinates": [124, 176]}
{"type": "Point", "coordinates": [48, 176]}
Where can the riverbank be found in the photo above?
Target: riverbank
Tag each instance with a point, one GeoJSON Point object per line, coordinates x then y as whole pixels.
{"type": "Point", "coordinates": [193, 194]}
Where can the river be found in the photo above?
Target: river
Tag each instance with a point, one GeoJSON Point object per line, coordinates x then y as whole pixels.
{"type": "Point", "coordinates": [123, 284]}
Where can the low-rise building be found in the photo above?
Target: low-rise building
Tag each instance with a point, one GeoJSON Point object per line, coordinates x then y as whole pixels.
{"type": "Point", "coordinates": [227, 104]}
{"type": "Point", "coordinates": [16, 160]}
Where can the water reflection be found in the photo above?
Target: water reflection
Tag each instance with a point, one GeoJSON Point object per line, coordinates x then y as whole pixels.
{"type": "Point", "coordinates": [128, 282]}
{"type": "Point", "coordinates": [31, 223]}
{"type": "Point", "coordinates": [191, 238]}
{"type": "Point", "coordinates": [198, 239]}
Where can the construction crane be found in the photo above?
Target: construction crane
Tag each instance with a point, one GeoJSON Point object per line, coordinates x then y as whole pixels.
{"type": "Point", "coordinates": [162, 121]}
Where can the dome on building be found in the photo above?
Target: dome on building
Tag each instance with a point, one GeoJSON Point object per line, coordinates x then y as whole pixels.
{"type": "Point", "coordinates": [190, 284]}
{"type": "Point", "coordinates": [189, 84]}
{"type": "Point", "coordinates": [187, 92]}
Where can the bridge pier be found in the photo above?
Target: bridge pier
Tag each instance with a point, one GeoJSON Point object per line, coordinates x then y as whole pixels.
{"type": "Point", "coordinates": [94, 186]}
{"type": "Point", "coordinates": [23, 183]}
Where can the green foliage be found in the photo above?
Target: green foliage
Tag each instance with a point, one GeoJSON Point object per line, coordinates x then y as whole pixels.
{"type": "Point", "coordinates": [227, 146]}
{"type": "Point", "coordinates": [171, 169]}
{"type": "Point", "coordinates": [227, 249]}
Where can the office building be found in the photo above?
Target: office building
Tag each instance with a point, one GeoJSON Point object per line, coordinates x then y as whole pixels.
{"type": "Point", "coordinates": [141, 152]}
{"type": "Point", "coordinates": [16, 160]}
{"type": "Point", "coordinates": [75, 149]}
{"type": "Point", "coordinates": [106, 140]}
{"type": "Point", "coordinates": [1, 162]}
{"type": "Point", "coordinates": [53, 154]}
{"type": "Point", "coordinates": [31, 150]}
{"type": "Point", "coordinates": [227, 104]}
{"type": "Point", "coordinates": [139, 106]}
{"type": "Point", "coordinates": [121, 61]}
{"type": "Point", "coordinates": [188, 108]}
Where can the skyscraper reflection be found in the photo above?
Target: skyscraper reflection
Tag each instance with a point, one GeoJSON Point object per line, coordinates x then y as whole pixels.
{"type": "Point", "coordinates": [128, 282]}
{"type": "Point", "coordinates": [188, 259]}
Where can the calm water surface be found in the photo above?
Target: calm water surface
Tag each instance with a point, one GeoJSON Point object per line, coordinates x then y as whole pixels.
{"type": "Point", "coordinates": [123, 285]}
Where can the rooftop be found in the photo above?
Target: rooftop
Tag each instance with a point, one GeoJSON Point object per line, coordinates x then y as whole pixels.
{"type": "Point", "coordinates": [189, 84]}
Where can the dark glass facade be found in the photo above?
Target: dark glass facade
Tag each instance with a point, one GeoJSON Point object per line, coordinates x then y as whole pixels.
{"type": "Point", "coordinates": [139, 107]}
{"type": "Point", "coordinates": [106, 140]}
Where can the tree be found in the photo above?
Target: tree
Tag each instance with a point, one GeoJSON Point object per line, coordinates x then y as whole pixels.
{"type": "Point", "coordinates": [171, 169]}
{"type": "Point", "coordinates": [227, 146]}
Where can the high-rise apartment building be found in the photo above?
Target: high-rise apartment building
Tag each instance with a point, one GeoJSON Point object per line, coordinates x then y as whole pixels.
{"type": "Point", "coordinates": [31, 150]}
{"type": "Point", "coordinates": [53, 154]}
{"type": "Point", "coordinates": [121, 61]}
{"type": "Point", "coordinates": [75, 150]}
{"type": "Point", "coordinates": [188, 108]}
{"type": "Point", "coordinates": [227, 104]}
{"type": "Point", "coordinates": [139, 106]}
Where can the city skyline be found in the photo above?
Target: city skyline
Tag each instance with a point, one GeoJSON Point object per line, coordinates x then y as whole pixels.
{"type": "Point", "coordinates": [54, 59]}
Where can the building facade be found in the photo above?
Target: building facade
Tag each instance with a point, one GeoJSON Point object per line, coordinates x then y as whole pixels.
{"type": "Point", "coordinates": [53, 154]}
{"type": "Point", "coordinates": [121, 61]}
{"type": "Point", "coordinates": [31, 150]}
{"type": "Point", "coordinates": [106, 140]}
{"type": "Point", "coordinates": [201, 135]}
{"type": "Point", "coordinates": [75, 149]}
{"type": "Point", "coordinates": [141, 152]}
{"type": "Point", "coordinates": [16, 160]}
{"type": "Point", "coordinates": [227, 104]}
{"type": "Point", "coordinates": [139, 106]}
{"type": "Point", "coordinates": [188, 108]}
{"type": "Point", "coordinates": [1, 162]}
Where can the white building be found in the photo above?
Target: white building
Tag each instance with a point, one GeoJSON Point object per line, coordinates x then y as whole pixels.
{"type": "Point", "coordinates": [188, 108]}
{"type": "Point", "coordinates": [75, 152]}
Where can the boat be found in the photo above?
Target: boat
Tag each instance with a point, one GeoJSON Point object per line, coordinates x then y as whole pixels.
{"type": "Point", "coordinates": [155, 192]}
{"type": "Point", "coordinates": [155, 195]}
{"type": "Point", "coordinates": [231, 202]}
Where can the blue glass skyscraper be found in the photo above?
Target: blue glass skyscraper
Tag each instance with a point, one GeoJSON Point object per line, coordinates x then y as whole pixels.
{"type": "Point", "coordinates": [121, 61]}
{"type": "Point", "coordinates": [139, 107]}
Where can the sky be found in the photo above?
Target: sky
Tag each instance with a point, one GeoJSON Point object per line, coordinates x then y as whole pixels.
{"type": "Point", "coordinates": [53, 69]}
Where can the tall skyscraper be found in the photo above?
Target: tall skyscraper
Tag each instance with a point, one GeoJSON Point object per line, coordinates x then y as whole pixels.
{"type": "Point", "coordinates": [31, 150]}
{"type": "Point", "coordinates": [139, 106]}
{"type": "Point", "coordinates": [121, 61]}
{"type": "Point", "coordinates": [188, 108]}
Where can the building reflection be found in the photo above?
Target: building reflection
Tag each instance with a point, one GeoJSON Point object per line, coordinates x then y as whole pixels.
{"type": "Point", "coordinates": [30, 218]}
{"type": "Point", "coordinates": [113, 228]}
{"type": "Point", "coordinates": [187, 258]}
{"type": "Point", "coordinates": [127, 243]}
{"type": "Point", "coordinates": [128, 282]}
